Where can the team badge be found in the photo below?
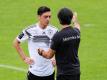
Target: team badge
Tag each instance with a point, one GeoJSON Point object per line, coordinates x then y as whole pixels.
{"type": "Point", "coordinates": [50, 32]}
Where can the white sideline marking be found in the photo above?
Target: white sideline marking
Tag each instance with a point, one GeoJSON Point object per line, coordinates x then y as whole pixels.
{"type": "Point", "coordinates": [13, 68]}
{"type": "Point", "coordinates": [88, 25]}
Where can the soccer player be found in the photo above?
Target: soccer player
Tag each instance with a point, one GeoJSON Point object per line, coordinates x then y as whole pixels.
{"type": "Point", "coordinates": [38, 36]}
{"type": "Point", "coordinates": [65, 46]}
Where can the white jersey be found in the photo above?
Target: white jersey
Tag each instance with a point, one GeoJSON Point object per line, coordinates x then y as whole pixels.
{"type": "Point", "coordinates": [38, 38]}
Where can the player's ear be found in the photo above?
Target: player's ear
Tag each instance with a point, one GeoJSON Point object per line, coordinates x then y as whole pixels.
{"type": "Point", "coordinates": [39, 16]}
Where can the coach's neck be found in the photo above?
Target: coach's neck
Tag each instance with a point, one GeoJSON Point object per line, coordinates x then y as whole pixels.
{"type": "Point", "coordinates": [65, 26]}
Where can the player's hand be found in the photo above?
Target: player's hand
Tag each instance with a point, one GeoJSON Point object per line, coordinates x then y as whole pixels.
{"type": "Point", "coordinates": [28, 60]}
{"type": "Point", "coordinates": [53, 62]}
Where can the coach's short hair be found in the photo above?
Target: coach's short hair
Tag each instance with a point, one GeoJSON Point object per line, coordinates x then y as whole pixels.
{"type": "Point", "coordinates": [42, 10]}
{"type": "Point", "coordinates": [65, 16]}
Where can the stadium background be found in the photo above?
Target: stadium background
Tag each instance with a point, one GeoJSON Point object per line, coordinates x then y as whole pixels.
{"type": "Point", "coordinates": [17, 14]}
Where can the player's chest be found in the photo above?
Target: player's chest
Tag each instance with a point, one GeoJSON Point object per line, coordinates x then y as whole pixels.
{"type": "Point", "coordinates": [35, 33]}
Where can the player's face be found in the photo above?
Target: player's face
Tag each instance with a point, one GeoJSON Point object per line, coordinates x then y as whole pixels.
{"type": "Point", "coordinates": [45, 18]}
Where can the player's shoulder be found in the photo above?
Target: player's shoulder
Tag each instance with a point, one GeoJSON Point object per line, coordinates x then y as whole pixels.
{"type": "Point", "coordinates": [32, 26]}
{"type": "Point", "coordinates": [53, 27]}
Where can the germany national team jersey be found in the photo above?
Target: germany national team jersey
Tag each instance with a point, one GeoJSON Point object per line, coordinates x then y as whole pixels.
{"type": "Point", "coordinates": [38, 38]}
{"type": "Point", "coordinates": [66, 44]}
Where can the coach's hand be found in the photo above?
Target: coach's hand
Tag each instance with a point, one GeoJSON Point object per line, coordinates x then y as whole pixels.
{"type": "Point", "coordinates": [28, 60]}
{"type": "Point", "coordinates": [74, 19]}
{"type": "Point", "coordinates": [40, 51]}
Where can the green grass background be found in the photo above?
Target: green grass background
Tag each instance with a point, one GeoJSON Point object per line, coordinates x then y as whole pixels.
{"type": "Point", "coordinates": [92, 14]}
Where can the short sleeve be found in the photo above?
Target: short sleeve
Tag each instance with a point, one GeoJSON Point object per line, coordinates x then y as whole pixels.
{"type": "Point", "coordinates": [22, 36]}
{"type": "Point", "coordinates": [77, 30]}
{"type": "Point", "coordinates": [55, 42]}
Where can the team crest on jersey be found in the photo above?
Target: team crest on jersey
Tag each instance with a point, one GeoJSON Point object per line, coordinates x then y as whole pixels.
{"type": "Point", "coordinates": [50, 32]}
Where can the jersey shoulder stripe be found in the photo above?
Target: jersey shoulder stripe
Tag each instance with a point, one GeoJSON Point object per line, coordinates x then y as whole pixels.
{"type": "Point", "coordinates": [28, 30]}
{"type": "Point", "coordinates": [31, 26]}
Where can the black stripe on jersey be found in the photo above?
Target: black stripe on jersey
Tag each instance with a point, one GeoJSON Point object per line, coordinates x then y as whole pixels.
{"type": "Point", "coordinates": [44, 39]}
{"type": "Point", "coordinates": [41, 39]}
{"type": "Point", "coordinates": [21, 35]}
{"type": "Point", "coordinates": [28, 33]}
{"type": "Point", "coordinates": [31, 26]}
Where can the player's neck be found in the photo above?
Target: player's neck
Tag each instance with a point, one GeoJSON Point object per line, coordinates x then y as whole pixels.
{"type": "Point", "coordinates": [42, 26]}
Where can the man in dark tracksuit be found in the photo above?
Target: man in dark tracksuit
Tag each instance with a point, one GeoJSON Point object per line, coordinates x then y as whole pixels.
{"type": "Point", "coordinates": [65, 44]}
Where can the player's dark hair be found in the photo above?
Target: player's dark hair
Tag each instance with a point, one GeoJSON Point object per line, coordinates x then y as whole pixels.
{"type": "Point", "coordinates": [65, 16]}
{"type": "Point", "coordinates": [42, 10]}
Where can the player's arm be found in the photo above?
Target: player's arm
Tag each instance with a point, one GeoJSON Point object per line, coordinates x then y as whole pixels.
{"type": "Point", "coordinates": [75, 21]}
{"type": "Point", "coordinates": [47, 54]}
{"type": "Point", "coordinates": [17, 46]}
